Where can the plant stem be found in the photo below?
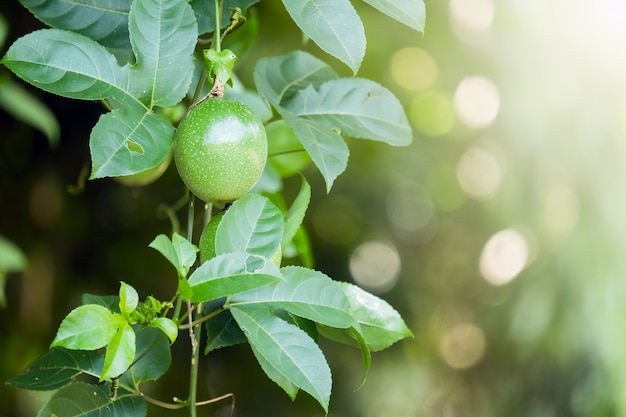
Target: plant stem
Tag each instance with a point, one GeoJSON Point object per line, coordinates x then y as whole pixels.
{"type": "Point", "coordinates": [217, 41]}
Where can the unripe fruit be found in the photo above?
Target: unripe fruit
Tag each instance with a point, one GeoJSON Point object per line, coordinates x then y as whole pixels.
{"type": "Point", "coordinates": [145, 177]}
{"type": "Point", "coordinates": [220, 149]}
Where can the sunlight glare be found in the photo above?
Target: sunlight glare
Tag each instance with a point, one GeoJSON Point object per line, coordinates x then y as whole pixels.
{"type": "Point", "coordinates": [477, 102]}
{"type": "Point", "coordinates": [463, 345]}
{"type": "Point", "coordinates": [413, 68]}
{"type": "Point", "coordinates": [375, 266]}
{"type": "Point", "coordinates": [504, 256]}
{"type": "Point", "coordinates": [479, 173]}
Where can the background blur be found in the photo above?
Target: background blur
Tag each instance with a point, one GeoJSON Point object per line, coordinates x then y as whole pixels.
{"type": "Point", "coordinates": [498, 234]}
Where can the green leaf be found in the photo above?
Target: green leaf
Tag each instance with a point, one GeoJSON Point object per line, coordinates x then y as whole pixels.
{"type": "Point", "coordinates": [167, 326]}
{"type": "Point", "coordinates": [163, 35]}
{"type": "Point", "coordinates": [295, 214]}
{"type": "Point", "coordinates": [129, 140]}
{"type": "Point", "coordinates": [69, 65]}
{"type": "Point", "coordinates": [366, 355]}
{"type": "Point", "coordinates": [120, 352]}
{"type": "Point", "coordinates": [356, 107]}
{"type": "Point", "coordinates": [229, 274]}
{"type": "Point", "coordinates": [205, 13]}
{"type": "Point", "coordinates": [286, 353]}
{"type": "Point", "coordinates": [178, 251]}
{"type": "Point", "coordinates": [12, 259]}
{"type": "Point", "coordinates": [334, 26]}
{"type": "Point", "coordinates": [87, 400]}
{"type": "Point", "coordinates": [105, 23]}
{"type": "Point", "coordinates": [27, 108]}
{"type": "Point", "coordinates": [378, 323]}
{"type": "Point", "coordinates": [129, 299]}
{"type": "Point", "coordinates": [305, 293]}
{"type": "Point", "coordinates": [152, 358]}
{"type": "Point", "coordinates": [279, 79]}
{"type": "Point", "coordinates": [111, 302]}
{"type": "Point", "coordinates": [87, 327]}
{"type": "Point", "coordinates": [285, 151]}
{"type": "Point", "coordinates": [57, 368]}
{"type": "Point", "coordinates": [253, 224]}
{"type": "Point", "coordinates": [410, 12]}
{"type": "Point", "coordinates": [222, 331]}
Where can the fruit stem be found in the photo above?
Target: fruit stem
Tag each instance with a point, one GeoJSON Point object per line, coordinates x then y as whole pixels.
{"type": "Point", "coordinates": [217, 41]}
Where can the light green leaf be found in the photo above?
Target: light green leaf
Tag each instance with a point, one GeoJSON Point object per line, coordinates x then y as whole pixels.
{"type": "Point", "coordinates": [88, 400]}
{"type": "Point", "coordinates": [57, 368]}
{"type": "Point", "coordinates": [12, 259]}
{"type": "Point", "coordinates": [105, 22]}
{"type": "Point", "coordinates": [128, 299]}
{"type": "Point", "coordinates": [69, 65]}
{"type": "Point", "coordinates": [410, 12]}
{"type": "Point", "coordinates": [305, 293]}
{"type": "Point", "coordinates": [229, 274]}
{"type": "Point", "coordinates": [152, 357]}
{"type": "Point", "coordinates": [286, 353]}
{"type": "Point", "coordinates": [334, 26]}
{"type": "Point", "coordinates": [356, 107]}
{"type": "Point", "coordinates": [253, 224]}
{"type": "Point", "coordinates": [87, 327]}
{"type": "Point", "coordinates": [120, 352]}
{"type": "Point", "coordinates": [279, 79]}
{"type": "Point", "coordinates": [326, 147]}
{"type": "Point", "coordinates": [295, 214]}
{"type": "Point", "coordinates": [163, 35]}
{"type": "Point", "coordinates": [178, 251]}
{"type": "Point", "coordinates": [129, 140]}
{"type": "Point", "coordinates": [167, 326]}
{"type": "Point", "coordinates": [378, 323]}
{"type": "Point", "coordinates": [27, 108]}
{"type": "Point", "coordinates": [111, 302]}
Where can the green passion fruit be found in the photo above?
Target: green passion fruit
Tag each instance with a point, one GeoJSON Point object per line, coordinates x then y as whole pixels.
{"type": "Point", "coordinates": [145, 177]}
{"type": "Point", "coordinates": [220, 149]}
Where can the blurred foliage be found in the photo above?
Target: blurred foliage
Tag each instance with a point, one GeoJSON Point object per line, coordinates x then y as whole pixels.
{"type": "Point", "coordinates": [506, 214]}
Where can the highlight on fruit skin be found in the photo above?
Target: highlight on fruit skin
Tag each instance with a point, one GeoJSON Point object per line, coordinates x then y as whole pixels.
{"type": "Point", "coordinates": [220, 149]}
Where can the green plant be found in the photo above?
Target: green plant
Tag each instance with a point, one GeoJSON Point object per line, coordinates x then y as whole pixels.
{"type": "Point", "coordinates": [140, 62]}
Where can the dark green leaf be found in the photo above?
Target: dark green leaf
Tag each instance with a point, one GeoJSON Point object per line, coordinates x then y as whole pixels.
{"type": "Point", "coordinates": [410, 12]}
{"type": "Point", "coordinates": [88, 327]}
{"type": "Point", "coordinates": [86, 400]}
{"type": "Point", "coordinates": [152, 358]}
{"type": "Point", "coordinates": [295, 214]}
{"type": "Point", "coordinates": [334, 26]}
{"type": "Point", "coordinates": [253, 224]}
{"type": "Point", "coordinates": [229, 274]}
{"type": "Point", "coordinates": [163, 35]}
{"type": "Point", "coordinates": [305, 293]}
{"type": "Point", "coordinates": [222, 331]}
{"type": "Point", "coordinates": [68, 64]}
{"type": "Point", "coordinates": [286, 353]}
{"type": "Point", "coordinates": [111, 302]}
{"type": "Point", "coordinates": [57, 368]}
{"type": "Point", "coordinates": [103, 21]}
{"type": "Point", "coordinates": [120, 352]}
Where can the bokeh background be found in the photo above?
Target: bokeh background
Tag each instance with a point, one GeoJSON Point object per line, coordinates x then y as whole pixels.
{"type": "Point", "coordinates": [499, 234]}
